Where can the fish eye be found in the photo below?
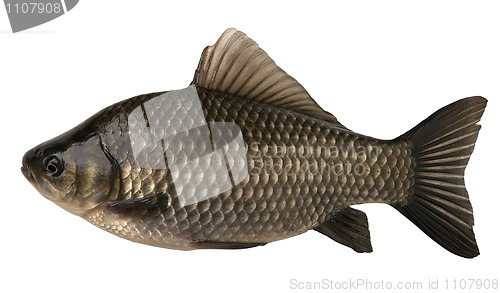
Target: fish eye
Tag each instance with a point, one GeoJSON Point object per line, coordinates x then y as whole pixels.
{"type": "Point", "coordinates": [53, 166]}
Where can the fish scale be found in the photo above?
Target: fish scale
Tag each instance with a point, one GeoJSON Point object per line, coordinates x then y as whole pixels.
{"type": "Point", "coordinates": [264, 207]}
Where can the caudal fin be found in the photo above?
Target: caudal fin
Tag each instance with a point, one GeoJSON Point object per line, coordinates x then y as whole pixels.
{"type": "Point", "coordinates": [441, 146]}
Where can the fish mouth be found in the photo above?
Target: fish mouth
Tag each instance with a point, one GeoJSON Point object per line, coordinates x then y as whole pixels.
{"type": "Point", "coordinates": [27, 173]}
{"type": "Point", "coordinates": [28, 157]}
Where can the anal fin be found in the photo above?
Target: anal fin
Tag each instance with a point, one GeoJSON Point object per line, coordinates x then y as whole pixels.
{"type": "Point", "coordinates": [350, 228]}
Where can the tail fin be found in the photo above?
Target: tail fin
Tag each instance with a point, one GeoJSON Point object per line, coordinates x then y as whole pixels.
{"type": "Point", "coordinates": [442, 145]}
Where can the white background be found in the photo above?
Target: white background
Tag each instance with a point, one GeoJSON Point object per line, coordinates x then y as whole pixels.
{"type": "Point", "coordinates": [380, 66]}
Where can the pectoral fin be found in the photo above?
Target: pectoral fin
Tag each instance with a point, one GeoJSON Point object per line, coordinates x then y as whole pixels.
{"type": "Point", "coordinates": [350, 228]}
{"type": "Point", "coordinates": [151, 204]}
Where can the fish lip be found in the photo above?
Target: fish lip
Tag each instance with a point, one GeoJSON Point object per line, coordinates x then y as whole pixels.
{"type": "Point", "coordinates": [27, 174]}
{"type": "Point", "coordinates": [27, 160]}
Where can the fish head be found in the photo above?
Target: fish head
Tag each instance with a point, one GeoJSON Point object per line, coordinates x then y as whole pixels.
{"type": "Point", "coordinates": [76, 173]}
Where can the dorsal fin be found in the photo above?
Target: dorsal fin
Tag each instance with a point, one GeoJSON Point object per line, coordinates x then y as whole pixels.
{"type": "Point", "coordinates": [238, 66]}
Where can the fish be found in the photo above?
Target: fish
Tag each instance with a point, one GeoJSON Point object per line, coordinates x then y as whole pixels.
{"type": "Point", "coordinates": [244, 156]}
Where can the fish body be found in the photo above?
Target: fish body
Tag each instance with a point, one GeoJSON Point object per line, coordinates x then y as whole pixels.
{"type": "Point", "coordinates": [244, 157]}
